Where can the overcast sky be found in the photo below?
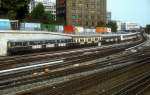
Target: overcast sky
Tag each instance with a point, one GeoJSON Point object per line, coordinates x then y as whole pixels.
{"type": "Point", "coordinates": [130, 10]}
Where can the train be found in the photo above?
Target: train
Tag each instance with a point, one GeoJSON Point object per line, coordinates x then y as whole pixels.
{"type": "Point", "coordinates": [67, 42]}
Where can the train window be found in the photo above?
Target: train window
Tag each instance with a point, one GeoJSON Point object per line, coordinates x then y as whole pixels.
{"type": "Point", "coordinates": [35, 42]}
{"type": "Point", "coordinates": [24, 43]}
{"type": "Point", "coordinates": [52, 41]}
{"type": "Point", "coordinates": [81, 40]}
{"type": "Point", "coordinates": [55, 41]}
{"type": "Point", "coordinates": [63, 41]}
{"type": "Point", "coordinates": [46, 41]}
{"type": "Point", "coordinates": [12, 44]}
{"type": "Point", "coordinates": [66, 41]}
{"type": "Point", "coordinates": [96, 39]}
{"type": "Point", "coordinates": [31, 43]}
{"type": "Point", "coordinates": [70, 40]}
{"type": "Point", "coordinates": [43, 42]}
{"type": "Point", "coordinates": [58, 41]}
{"type": "Point", "coordinates": [18, 44]}
{"type": "Point", "coordinates": [89, 39]}
{"type": "Point", "coordinates": [38, 42]}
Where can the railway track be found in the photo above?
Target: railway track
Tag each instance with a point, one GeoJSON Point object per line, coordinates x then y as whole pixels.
{"type": "Point", "coordinates": [145, 90]}
{"type": "Point", "coordinates": [82, 83]}
{"type": "Point", "coordinates": [136, 86]}
{"type": "Point", "coordinates": [27, 59]}
{"type": "Point", "coordinates": [78, 60]}
{"type": "Point", "coordinates": [62, 72]}
{"type": "Point", "coordinates": [102, 66]}
{"type": "Point", "coordinates": [131, 86]}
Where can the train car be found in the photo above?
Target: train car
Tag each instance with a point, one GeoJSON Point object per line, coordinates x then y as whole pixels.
{"type": "Point", "coordinates": [86, 40]}
{"type": "Point", "coordinates": [130, 36]}
{"type": "Point", "coordinates": [28, 46]}
{"type": "Point", "coordinates": [110, 39]}
{"type": "Point", "coordinates": [119, 37]}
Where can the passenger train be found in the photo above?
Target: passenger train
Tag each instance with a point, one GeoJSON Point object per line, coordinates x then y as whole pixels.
{"type": "Point", "coordinates": [27, 46]}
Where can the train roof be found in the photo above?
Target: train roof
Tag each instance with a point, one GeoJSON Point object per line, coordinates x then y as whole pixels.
{"type": "Point", "coordinates": [18, 40]}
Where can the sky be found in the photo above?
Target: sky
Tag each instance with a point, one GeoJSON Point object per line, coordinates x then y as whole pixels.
{"type": "Point", "coordinates": [137, 11]}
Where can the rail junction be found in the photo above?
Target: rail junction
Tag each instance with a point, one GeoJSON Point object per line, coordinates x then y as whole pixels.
{"type": "Point", "coordinates": [108, 70]}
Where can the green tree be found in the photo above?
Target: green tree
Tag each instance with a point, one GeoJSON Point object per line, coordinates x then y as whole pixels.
{"type": "Point", "coordinates": [14, 9]}
{"type": "Point", "coordinates": [60, 20]}
{"type": "Point", "coordinates": [112, 25]}
{"type": "Point", "coordinates": [40, 15]}
{"type": "Point", "coordinates": [11, 15]}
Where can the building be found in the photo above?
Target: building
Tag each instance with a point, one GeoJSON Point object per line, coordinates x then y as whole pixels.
{"type": "Point", "coordinates": [108, 17]}
{"type": "Point", "coordinates": [129, 26]}
{"type": "Point", "coordinates": [120, 25]}
{"type": "Point", "coordinates": [50, 6]}
{"type": "Point", "coordinates": [86, 13]}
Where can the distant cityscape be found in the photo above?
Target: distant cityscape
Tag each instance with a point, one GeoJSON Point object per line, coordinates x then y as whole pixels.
{"type": "Point", "coordinates": [75, 15]}
{"type": "Point", "coordinates": [85, 14]}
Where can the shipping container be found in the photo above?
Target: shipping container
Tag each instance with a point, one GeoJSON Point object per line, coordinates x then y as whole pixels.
{"type": "Point", "coordinates": [49, 27]}
{"type": "Point", "coordinates": [5, 24]}
{"type": "Point", "coordinates": [69, 29]}
{"type": "Point", "coordinates": [108, 29]}
{"type": "Point", "coordinates": [30, 26]}
{"type": "Point", "coordinates": [14, 24]}
{"type": "Point", "coordinates": [60, 28]}
{"type": "Point", "coordinates": [79, 29]}
{"type": "Point", "coordinates": [101, 29]}
{"type": "Point", "coordinates": [93, 30]}
{"type": "Point", "coordinates": [88, 30]}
